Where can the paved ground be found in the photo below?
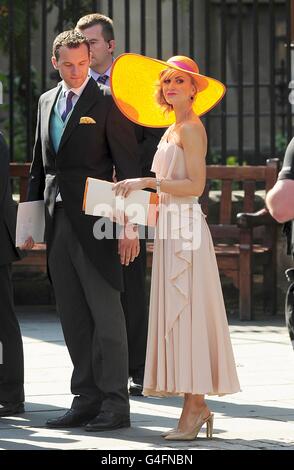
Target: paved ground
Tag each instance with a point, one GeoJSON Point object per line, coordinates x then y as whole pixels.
{"type": "Point", "coordinates": [260, 417]}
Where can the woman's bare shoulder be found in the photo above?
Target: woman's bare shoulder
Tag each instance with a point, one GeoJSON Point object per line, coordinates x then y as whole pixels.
{"type": "Point", "coordinates": [193, 128]}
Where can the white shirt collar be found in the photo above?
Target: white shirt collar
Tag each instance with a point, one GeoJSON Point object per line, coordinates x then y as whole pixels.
{"type": "Point", "coordinates": [96, 75]}
{"type": "Point", "coordinates": [77, 91]}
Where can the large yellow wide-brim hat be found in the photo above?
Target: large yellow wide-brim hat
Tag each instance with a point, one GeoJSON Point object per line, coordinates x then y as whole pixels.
{"type": "Point", "coordinates": [134, 80]}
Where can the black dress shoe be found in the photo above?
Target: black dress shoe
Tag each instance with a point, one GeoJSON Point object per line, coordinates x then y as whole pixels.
{"type": "Point", "coordinates": [107, 420]}
{"type": "Point", "coordinates": [71, 419]}
{"type": "Point", "coordinates": [11, 409]}
{"type": "Point", "coordinates": [136, 386]}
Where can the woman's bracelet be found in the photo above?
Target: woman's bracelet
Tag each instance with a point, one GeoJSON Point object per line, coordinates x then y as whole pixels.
{"type": "Point", "coordinates": [158, 183]}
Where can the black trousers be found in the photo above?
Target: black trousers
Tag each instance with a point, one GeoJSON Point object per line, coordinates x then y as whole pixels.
{"type": "Point", "coordinates": [11, 348]}
{"type": "Point", "coordinates": [135, 310]}
{"type": "Point", "coordinates": [93, 324]}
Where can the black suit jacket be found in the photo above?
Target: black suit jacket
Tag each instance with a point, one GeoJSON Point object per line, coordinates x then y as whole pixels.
{"type": "Point", "coordinates": [85, 150]}
{"type": "Point", "coordinates": [8, 209]}
{"type": "Point", "coordinates": [148, 139]}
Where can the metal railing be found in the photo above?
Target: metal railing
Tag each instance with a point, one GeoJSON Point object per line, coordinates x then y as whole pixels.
{"type": "Point", "coordinates": [245, 44]}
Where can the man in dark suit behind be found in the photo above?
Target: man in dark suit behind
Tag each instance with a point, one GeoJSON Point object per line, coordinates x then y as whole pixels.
{"type": "Point", "coordinates": [81, 133]}
{"type": "Point", "coordinates": [11, 349]}
{"type": "Point", "coordinates": [99, 30]}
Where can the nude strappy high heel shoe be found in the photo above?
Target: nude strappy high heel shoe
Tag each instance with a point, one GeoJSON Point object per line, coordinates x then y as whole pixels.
{"type": "Point", "coordinates": [191, 435]}
{"type": "Point", "coordinates": [171, 431]}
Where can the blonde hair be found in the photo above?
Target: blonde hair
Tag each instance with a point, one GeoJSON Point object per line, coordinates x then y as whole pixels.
{"type": "Point", "coordinates": [159, 96]}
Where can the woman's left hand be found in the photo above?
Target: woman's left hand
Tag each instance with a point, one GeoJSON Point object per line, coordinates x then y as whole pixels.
{"type": "Point", "coordinates": [125, 187]}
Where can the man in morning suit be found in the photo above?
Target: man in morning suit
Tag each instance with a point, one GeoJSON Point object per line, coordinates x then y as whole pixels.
{"type": "Point", "coordinates": [81, 133]}
{"type": "Point", "coordinates": [99, 31]}
{"type": "Point", "coordinates": [11, 349]}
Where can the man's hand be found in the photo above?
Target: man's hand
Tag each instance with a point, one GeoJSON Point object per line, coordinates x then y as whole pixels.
{"type": "Point", "coordinates": [28, 244]}
{"type": "Point", "coordinates": [128, 244]}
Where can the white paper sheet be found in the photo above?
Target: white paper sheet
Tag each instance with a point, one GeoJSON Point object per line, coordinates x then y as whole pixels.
{"type": "Point", "coordinates": [30, 222]}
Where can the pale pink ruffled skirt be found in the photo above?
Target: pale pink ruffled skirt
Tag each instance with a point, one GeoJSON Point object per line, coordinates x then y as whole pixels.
{"type": "Point", "coordinates": [189, 348]}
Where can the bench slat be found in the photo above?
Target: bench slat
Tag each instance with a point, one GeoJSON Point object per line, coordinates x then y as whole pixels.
{"type": "Point", "coordinates": [249, 191]}
{"type": "Point", "coordinates": [237, 173]}
{"type": "Point", "coordinates": [224, 231]}
{"type": "Point", "coordinates": [226, 202]}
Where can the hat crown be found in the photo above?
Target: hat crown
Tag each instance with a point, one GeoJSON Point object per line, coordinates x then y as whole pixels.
{"type": "Point", "coordinates": [184, 63]}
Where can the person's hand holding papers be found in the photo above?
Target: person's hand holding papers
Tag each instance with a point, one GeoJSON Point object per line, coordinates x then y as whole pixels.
{"type": "Point", "coordinates": [124, 188]}
{"type": "Point", "coordinates": [30, 224]}
{"type": "Point", "coordinates": [28, 244]}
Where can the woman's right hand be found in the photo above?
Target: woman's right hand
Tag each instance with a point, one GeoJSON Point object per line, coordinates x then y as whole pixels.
{"type": "Point", "coordinates": [125, 187]}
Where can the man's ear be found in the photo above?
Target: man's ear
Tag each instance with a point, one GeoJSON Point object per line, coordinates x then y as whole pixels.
{"type": "Point", "coordinates": [111, 45]}
{"type": "Point", "coordinates": [54, 62]}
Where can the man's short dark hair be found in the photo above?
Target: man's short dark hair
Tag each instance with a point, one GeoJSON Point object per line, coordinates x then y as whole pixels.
{"type": "Point", "coordinates": [97, 18]}
{"type": "Point", "coordinates": [71, 39]}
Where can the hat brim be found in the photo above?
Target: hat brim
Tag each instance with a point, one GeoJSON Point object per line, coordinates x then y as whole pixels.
{"type": "Point", "coordinates": [133, 84]}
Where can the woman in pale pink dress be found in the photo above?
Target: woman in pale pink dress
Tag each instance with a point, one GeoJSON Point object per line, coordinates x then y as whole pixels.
{"type": "Point", "coordinates": [189, 350]}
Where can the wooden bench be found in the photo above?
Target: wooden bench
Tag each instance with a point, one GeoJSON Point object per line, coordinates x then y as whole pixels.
{"type": "Point", "coordinates": [242, 242]}
{"type": "Point", "coordinates": [245, 240]}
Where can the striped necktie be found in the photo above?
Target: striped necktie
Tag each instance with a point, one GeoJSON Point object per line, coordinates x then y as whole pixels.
{"type": "Point", "coordinates": [69, 105]}
{"type": "Point", "coordinates": [102, 79]}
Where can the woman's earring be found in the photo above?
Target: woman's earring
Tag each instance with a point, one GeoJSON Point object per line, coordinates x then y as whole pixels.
{"type": "Point", "coordinates": [192, 98]}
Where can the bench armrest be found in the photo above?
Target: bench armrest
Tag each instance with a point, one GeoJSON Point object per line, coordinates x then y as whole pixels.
{"type": "Point", "coordinates": [255, 219]}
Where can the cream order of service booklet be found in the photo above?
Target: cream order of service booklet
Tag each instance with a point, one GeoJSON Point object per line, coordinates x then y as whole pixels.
{"type": "Point", "coordinates": [140, 206]}
{"type": "Point", "coordinates": [30, 222]}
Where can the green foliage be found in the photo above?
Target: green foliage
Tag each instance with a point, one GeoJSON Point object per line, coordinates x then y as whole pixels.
{"type": "Point", "coordinates": [68, 17]}
{"type": "Point", "coordinates": [20, 70]}
{"type": "Point", "coordinates": [232, 160]}
{"type": "Point", "coordinates": [70, 14]}
{"type": "Point", "coordinates": [19, 29]}
{"type": "Point", "coordinates": [20, 118]}
{"type": "Point", "coordinates": [214, 157]}
{"type": "Point", "coordinates": [281, 143]}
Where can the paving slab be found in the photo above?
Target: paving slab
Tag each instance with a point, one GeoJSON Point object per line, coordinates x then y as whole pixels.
{"type": "Point", "coordinates": [259, 417]}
